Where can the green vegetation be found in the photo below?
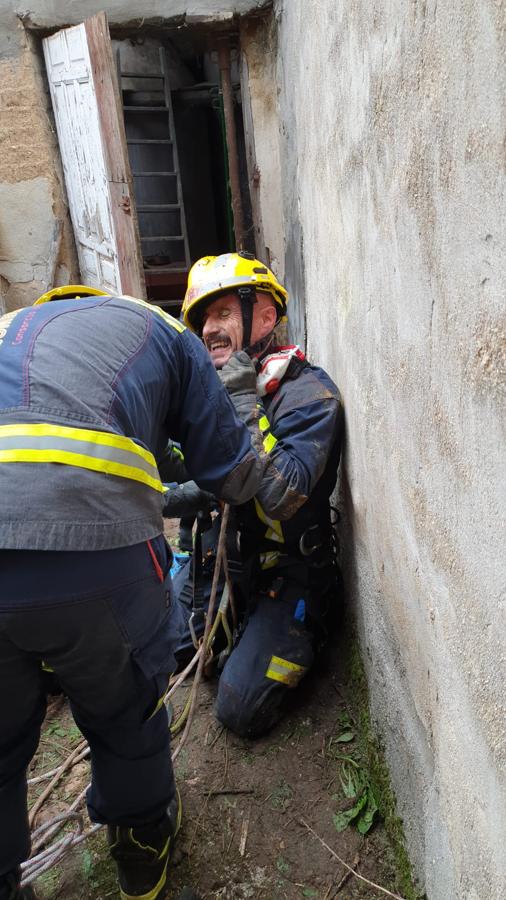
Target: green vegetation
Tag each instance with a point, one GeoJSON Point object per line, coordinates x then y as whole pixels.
{"type": "Point", "coordinates": [281, 796]}
{"type": "Point", "coordinates": [357, 792]}
{"type": "Point", "coordinates": [282, 866]}
{"type": "Point", "coordinates": [379, 789]}
{"type": "Point", "coordinates": [88, 866]}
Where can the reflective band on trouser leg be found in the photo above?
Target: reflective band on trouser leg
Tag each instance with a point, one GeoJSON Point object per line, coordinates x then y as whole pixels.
{"type": "Point", "coordinates": [285, 671]}
{"type": "Point", "coordinates": [101, 451]}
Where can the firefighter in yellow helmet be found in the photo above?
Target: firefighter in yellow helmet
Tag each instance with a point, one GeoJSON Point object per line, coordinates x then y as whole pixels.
{"type": "Point", "coordinates": [92, 387]}
{"type": "Point", "coordinates": [245, 280]}
{"type": "Point", "coordinates": [285, 577]}
{"type": "Point", "coordinates": [70, 292]}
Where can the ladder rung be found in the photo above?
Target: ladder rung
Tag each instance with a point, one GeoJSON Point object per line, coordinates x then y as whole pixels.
{"type": "Point", "coordinates": [172, 268]}
{"type": "Point", "coordinates": [152, 173]}
{"type": "Point", "coordinates": [163, 237]}
{"type": "Point", "coordinates": [149, 141]}
{"type": "Point", "coordinates": [138, 75]}
{"type": "Point", "coordinates": [146, 108]}
{"type": "Point", "coordinates": [155, 207]}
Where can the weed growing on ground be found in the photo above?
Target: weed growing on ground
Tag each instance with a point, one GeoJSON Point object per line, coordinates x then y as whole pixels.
{"type": "Point", "coordinates": [357, 792]}
{"type": "Point", "coordinates": [281, 795]}
{"type": "Point", "coordinates": [282, 866]}
{"type": "Point", "coordinates": [378, 775]}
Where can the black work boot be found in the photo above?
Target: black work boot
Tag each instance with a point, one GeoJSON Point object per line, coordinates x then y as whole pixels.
{"type": "Point", "coordinates": [142, 854]}
{"type": "Point", "coordinates": [10, 887]}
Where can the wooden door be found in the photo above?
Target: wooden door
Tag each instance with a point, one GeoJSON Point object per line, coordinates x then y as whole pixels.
{"type": "Point", "coordinates": [91, 134]}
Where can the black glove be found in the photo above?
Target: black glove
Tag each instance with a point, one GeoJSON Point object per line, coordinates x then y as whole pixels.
{"type": "Point", "coordinates": [239, 375]}
{"type": "Point", "coordinates": [187, 500]}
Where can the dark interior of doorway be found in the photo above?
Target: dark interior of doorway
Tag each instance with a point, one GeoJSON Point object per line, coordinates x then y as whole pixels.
{"type": "Point", "coordinates": [176, 140]}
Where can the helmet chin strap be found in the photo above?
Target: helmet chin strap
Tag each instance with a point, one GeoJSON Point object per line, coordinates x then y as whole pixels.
{"type": "Point", "coordinates": [247, 298]}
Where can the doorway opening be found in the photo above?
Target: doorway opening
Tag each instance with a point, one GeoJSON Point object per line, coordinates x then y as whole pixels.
{"type": "Point", "coordinates": [177, 147]}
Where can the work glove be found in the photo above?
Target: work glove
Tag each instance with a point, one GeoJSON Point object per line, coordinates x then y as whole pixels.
{"type": "Point", "coordinates": [171, 465]}
{"type": "Point", "coordinates": [240, 379]}
{"type": "Point", "coordinates": [187, 500]}
{"type": "Point", "coordinates": [239, 375]}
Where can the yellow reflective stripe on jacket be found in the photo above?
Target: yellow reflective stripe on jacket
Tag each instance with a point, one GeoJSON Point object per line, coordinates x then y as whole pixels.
{"type": "Point", "coordinates": [274, 531]}
{"type": "Point", "coordinates": [170, 320]}
{"type": "Point", "coordinates": [269, 442]}
{"type": "Point", "coordinates": [285, 671]}
{"type": "Point", "coordinates": [264, 425]}
{"type": "Point", "coordinates": [100, 451]}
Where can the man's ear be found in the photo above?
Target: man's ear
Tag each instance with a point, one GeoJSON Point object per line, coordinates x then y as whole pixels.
{"type": "Point", "coordinates": [269, 319]}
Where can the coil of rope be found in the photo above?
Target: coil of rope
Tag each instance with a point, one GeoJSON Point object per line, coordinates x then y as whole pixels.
{"type": "Point", "coordinates": [47, 857]}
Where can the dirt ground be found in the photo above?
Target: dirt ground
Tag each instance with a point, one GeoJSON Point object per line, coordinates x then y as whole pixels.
{"type": "Point", "coordinates": [244, 802]}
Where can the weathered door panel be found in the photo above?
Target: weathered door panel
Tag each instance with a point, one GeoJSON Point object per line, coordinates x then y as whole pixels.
{"type": "Point", "coordinates": [91, 135]}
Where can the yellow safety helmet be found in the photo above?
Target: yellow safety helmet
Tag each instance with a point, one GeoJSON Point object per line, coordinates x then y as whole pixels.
{"type": "Point", "coordinates": [70, 292]}
{"type": "Point", "coordinates": [214, 275]}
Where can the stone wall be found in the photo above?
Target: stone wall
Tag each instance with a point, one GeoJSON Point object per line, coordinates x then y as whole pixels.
{"type": "Point", "coordinates": [392, 154]}
{"type": "Point", "coordinates": [36, 240]}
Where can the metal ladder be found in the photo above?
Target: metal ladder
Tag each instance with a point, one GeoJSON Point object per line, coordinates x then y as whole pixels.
{"type": "Point", "coordinates": [152, 213]}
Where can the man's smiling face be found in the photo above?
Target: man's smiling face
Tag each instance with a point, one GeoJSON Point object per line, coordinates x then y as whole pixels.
{"type": "Point", "coordinates": [222, 329]}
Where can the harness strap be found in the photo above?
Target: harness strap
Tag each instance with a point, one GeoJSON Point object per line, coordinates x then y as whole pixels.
{"type": "Point", "coordinates": [198, 612]}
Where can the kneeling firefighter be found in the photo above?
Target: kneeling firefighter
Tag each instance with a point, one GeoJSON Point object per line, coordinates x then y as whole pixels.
{"type": "Point", "coordinates": [91, 389]}
{"type": "Point", "coordinates": [285, 576]}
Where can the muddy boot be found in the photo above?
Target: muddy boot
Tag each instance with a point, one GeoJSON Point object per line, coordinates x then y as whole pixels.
{"type": "Point", "coordinates": [142, 854]}
{"type": "Point", "coordinates": [10, 888]}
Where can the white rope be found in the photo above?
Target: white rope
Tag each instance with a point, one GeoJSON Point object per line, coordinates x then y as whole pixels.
{"type": "Point", "coordinates": [52, 854]}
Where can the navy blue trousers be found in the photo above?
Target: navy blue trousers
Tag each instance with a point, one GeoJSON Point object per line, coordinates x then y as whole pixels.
{"type": "Point", "coordinates": [283, 621]}
{"type": "Point", "coordinates": [102, 621]}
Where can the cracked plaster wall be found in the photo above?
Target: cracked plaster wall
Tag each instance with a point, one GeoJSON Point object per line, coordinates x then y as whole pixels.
{"type": "Point", "coordinates": [261, 117]}
{"type": "Point", "coordinates": [392, 154]}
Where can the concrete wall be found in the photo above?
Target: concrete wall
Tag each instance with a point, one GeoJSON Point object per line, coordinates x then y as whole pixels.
{"type": "Point", "coordinates": [392, 131]}
{"type": "Point", "coordinates": [261, 123]}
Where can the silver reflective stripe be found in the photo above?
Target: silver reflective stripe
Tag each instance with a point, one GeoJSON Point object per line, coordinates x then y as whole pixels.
{"type": "Point", "coordinates": [100, 451]}
{"type": "Point", "coordinates": [85, 448]}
